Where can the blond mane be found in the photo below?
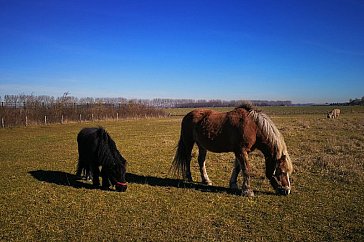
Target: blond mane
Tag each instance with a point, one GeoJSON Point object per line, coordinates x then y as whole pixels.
{"type": "Point", "coordinates": [272, 134]}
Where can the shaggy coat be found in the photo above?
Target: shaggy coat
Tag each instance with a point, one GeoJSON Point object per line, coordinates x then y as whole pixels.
{"type": "Point", "coordinates": [97, 149]}
{"type": "Point", "coordinates": [241, 131]}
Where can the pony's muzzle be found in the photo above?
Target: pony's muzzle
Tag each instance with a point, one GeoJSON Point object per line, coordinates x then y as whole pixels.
{"type": "Point", "coordinates": [284, 191]}
{"type": "Point", "coordinates": [121, 186]}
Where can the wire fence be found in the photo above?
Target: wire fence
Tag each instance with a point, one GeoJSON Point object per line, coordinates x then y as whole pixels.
{"type": "Point", "coordinates": [24, 114]}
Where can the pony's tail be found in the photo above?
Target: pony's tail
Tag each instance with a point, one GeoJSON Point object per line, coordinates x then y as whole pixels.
{"type": "Point", "coordinates": [79, 168]}
{"type": "Point", "coordinates": [179, 163]}
{"type": "Point", "coordinates": [84, 170]}
{"type": "Point", "coordinates": [80, 163]}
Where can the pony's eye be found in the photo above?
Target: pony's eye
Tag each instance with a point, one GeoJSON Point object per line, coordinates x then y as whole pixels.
{"type": "Point", "coordinates": [282, 171]}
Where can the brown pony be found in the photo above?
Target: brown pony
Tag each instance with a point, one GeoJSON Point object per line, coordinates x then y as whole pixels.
{"type": "Point", "coordinates": [241, 131]}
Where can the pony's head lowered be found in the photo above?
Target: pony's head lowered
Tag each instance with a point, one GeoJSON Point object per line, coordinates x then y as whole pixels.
{"type": "Point", "coordinates": [114, 163]}
{"type": "Point", "coordinates": [280, 178]}
{"type": "Point", "coordinates": [278, 163]}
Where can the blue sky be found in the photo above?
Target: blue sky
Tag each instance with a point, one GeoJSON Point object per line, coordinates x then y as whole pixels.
{"type": "Point", "coordinates": [303, 51]}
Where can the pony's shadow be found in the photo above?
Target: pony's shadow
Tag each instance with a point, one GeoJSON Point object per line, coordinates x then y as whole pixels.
{"type": "Point", "coordinates": [66, 179]}
{"type": "Point", "coordinates": [60, 178]}
{"type": "Point", "coordinates": [177, 183]}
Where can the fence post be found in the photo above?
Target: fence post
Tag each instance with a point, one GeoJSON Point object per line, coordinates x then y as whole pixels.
{"type": "Point", "coordinates": [92, 117]}
{"type": "Point", "coordinates": [45, 119]}
{"type": "Point", "coordinates": [26, 120]}
{"type": "Point", "coordinates": [2, 123]}
{"type": "Point", "coordinates": [80, 117]}
{"type": "Point", "coordinates": [62, 119]}
{"type": "Point", "coordinates": [117, 116]}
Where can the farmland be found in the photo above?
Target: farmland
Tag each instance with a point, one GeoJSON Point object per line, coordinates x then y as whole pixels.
{"type": "Point", "coordinates": [41, 200]}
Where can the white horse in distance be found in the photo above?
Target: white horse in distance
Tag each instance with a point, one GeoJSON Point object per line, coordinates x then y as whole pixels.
{"type": "Point", "coordinates": [335, 113]}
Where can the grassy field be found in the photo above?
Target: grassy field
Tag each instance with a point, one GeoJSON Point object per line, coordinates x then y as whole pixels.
{"type": "Point", "coordinates": [41, 200]}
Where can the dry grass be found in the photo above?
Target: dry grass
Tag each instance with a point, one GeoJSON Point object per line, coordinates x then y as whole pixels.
{"type": "Point", "coordinates": [42, 201]}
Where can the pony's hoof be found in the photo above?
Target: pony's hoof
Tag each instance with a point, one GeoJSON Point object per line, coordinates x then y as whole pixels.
{"type": "Point", "coordinates": [208, 183]}
{"type": "Point", "coordinates": [248, 193]}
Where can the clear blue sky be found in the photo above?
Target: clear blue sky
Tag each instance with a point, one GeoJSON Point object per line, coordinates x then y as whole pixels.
{"type": "Point", "coordinates": [303, 51]}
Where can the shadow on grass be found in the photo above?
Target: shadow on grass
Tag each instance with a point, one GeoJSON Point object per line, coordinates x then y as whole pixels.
{"type": "Point", "coordinates": [60, 178]}
{"type": "Point", "coordinates": [178, 183]}
{"type": "Point", "coordinates": [67, 179]}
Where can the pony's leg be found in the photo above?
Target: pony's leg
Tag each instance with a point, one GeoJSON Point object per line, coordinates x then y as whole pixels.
{"type": "Point", "coordinates": [234, 175]}
{"type": "Point", "coordinates": [201, 162]}
{"type": "Point", "coordinates": [189, 143]}
{"type": "Point", "coordinates": [242, 157]}
{"type": "Point", "coordinates": [96, 175]}
{"type": "Point", "coordinates": [88, 172]}
{"type": "Point", "coordinates": [81, 165]}
{"type": "Point", "coordinates": [79, 170]}
{"type": "Point", "coordinates": [105, 179]}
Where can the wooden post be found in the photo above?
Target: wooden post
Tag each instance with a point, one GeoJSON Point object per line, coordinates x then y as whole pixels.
{"type": "Point", "coordinates": [80, 117]}
{"type": "Point", "coordinates": [45, 120]}
{"type": "Point", "coordinates": [2, 123]}
{"type": "Point", "coordinates": [92, 117]}
{"type": "Point", "coordinates": [62, 119]}
{"type": "Point", "coordinates": [26, 120]}
{"type": "Point", "coordinates": [117, 116]}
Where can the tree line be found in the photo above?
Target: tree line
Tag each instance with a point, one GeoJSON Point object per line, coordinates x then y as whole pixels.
{"type": "Point", "coordinates": [16, 110]}
{"type": "Point", "coordinates": [356, 101]}
{"type": "Point", "coordinates": [20, 100]}
{"type": "Point", "coordinates": [67, 100]}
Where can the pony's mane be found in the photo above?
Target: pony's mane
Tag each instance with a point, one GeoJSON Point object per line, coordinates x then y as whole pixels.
{"type": "Point", "coordinates": [247, 106]}
{"type": "Point", "coordinates": [108, 154]}
{"type": "Point", "coordinates": [272, 134]}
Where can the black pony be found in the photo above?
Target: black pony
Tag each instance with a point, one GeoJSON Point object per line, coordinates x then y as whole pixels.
{"type": "Point", "coordinates": [95, 149]}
